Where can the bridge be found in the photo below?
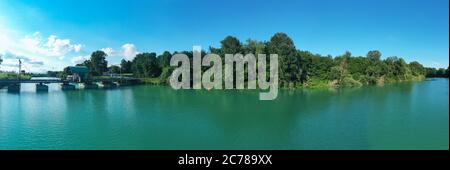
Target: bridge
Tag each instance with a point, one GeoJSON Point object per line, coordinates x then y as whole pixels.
{"type": "Point", "coordinates": [44, 81]}
{"type": "Point", "coordinates": [55, 80]}
{"type": "Point", "coordinates": [15, 83]}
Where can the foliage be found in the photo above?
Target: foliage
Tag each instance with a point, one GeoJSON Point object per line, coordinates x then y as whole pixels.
{"type": "Point", "coordinates": [297, 68]}
{"type": "Point", "coordinates": [433, 72]}
{"type": "Point", "coordinates": [114, 69]}
{"type": "Point", "coordinates": [126, 66]}
{"type": "Point", "coordinates": [146, 65]}
{"type": "Point", "coordinates": [12, 75]}
{"type": "Point", "coordinates": [98, 63]}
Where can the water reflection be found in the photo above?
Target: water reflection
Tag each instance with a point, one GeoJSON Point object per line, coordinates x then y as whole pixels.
{"type": "Point", "coordinates": [405, 115]}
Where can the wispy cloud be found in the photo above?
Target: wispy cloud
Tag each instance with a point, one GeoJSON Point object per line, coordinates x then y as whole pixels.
{"type": "Point", "coordinates": [79, 59]}
{"type": "Point", "coordinates": [109, 51]}
{"type": "Point", "coordinates": [127, 51]}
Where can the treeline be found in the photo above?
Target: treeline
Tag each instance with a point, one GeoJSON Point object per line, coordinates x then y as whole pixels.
{"type": "Point", "coordinates": [433, 72]}
{"type": "Point", "coordinates": [297, 68]}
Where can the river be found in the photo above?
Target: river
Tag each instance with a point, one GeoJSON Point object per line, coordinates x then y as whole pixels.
{"type": "Point", "coordinates": [411, 115]}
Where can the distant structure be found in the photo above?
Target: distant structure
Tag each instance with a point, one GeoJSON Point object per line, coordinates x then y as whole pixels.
{"type": "Point", "coordinates": [1, 60]}
{"type": "Point", "coordinates": [78, 73]}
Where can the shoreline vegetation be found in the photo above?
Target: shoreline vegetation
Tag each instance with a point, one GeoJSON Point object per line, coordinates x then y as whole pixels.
{"type": "Point", "coordinates": [297, 68]}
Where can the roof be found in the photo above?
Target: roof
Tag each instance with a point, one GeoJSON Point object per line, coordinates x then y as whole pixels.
{"type": "Point", "coordinates": [78, 69]}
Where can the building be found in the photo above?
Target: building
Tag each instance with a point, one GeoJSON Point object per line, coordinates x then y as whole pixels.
{"type": "Point", "coordinates": [78, 73]}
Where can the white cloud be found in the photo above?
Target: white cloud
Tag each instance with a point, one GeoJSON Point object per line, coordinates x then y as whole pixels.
{"type": "Point", "coordinates": [79, 59]}
{"type": "Point", "coordinates": [53, 46]}
{"type": "Point", "coordinates": [109, 51]}
{"type": "Point", "coordinates": [38, 54]}
{"type": "Point", "coordinates": [77, 47]}
{"type": "Point", "coordinates": [129, 51]}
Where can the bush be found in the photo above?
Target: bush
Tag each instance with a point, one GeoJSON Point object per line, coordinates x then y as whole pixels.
{"type": "Point", "coordinates": [349, 82]}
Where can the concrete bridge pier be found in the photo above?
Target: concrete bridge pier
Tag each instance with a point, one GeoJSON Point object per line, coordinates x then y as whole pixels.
{"type": "Point", "coordinates": [14, 88]}
{"type": "Point", "coordinates": [41, 87]}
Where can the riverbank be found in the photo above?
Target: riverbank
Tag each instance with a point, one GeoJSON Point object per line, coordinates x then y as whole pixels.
{"type": "Point", "coordinates": [314, 83]}
{"type": "Point", "coordinates": [350, 82]}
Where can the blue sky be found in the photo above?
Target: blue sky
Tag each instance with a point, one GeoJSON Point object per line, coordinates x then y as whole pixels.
{"type": "Point", "coordinates": [54, 34]}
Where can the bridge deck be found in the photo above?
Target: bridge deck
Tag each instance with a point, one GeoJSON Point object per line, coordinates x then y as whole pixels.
{"type": "Point", "coordinates": [46, 81]}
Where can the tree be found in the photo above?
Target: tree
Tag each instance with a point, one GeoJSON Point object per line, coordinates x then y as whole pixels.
{"type": "Point", "coordinates": [447, 71]}
{"type": "Point", "coordinates": [296, 67]}
{"type": "Point", "coordinates": [114, 69]}
{"type": "Point", "coordinates": [290, 69]}
{"type": "Point", "coordinates": [230, 45]}
{"type": "Point", "coordinates": [146, 65]}
{"type": "Point", "coordinates": [316, 66]}
{"type": "Point", "coordinates": [337, 73]}
{"type": "Point", "coordinates": [98, 63]}
{"type": "Point", "coordinates": [1, 60]}
{"type": "Point", "coordinates": [441, 72]}
{"type": "Point", "coordinates": [164, 59]}
{"type": "Point", "coordinates": [400, 67]}
{"type": "Point", "coordinates": [376, 70]}
{"type": "Point", "coordinates": [342, 61]}
{"type": "Point", "coordinates": [358, 65]}
{"type": "Point", "coordinates": [374, 55]}
{"type": "Point", "coordinates": [254, 47]}
{"type": "Point", "coordinates": [125, 66]}
{"type": "Point", "coordinates": [416, 68]}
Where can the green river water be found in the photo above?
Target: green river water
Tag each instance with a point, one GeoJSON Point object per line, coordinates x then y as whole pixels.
{"type": "Point", "coordinates": [411, 115]}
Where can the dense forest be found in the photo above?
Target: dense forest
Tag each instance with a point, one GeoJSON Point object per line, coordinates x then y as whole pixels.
{"type": "Point", "coordinates": [297, 68]}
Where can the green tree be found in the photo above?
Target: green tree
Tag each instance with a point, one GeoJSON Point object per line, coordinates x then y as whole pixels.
{"type": "Point", "coordinates": [441, 72]}
{"type": "Point", "coordinates": [317, 66]}
{"type": "Point", "coordinates": [342, 61]}
{"type": "Point", "coordinates": [430, 72]}
{"type": "Point", "coordinates": [146, 65]}
{"type": "Point", "coordinates": [358, 65]}
{"type": "Point", "coordinates": [164, 59]}
{"type": "Point", "coordinates": [374, 55]}
{"type": "Point", "coordinates": [447, 72]}
{"type": "Point", "coordinates": [114, 69]}
{"type": "Point", "coordinates": [230, 45]}
{"type": "Point", "coordinates": [254, 47]}
{"type": "Point", "coordinates": [126, 66]}
{"type": "Point", "coordinates": [416, 68]}
{"type": "Point", "coordinates": [98, 63]}
{"type": "Point", "coordinates": [337, 73]}
{"type": "Point", "coordinates": [290, 69]}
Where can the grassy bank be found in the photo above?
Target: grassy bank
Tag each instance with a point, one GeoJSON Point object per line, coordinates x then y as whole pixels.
{"type": "Point", "coordinates": [315, 83]}
{"type": "Point", "coordinates": [8, 76]}
{"type": "Point", "coordinates": [153, 81]}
